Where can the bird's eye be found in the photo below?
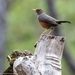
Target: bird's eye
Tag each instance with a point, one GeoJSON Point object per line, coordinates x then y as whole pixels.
{"type": "Point", "coordinates": [38, 10]}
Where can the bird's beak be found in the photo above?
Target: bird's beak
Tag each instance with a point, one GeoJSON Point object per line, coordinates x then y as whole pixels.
{"type": "Point", "coordinates": [34, 10]}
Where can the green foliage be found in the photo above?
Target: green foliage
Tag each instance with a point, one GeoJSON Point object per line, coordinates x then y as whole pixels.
{"type": "Point", "coordinates": [23, 28]}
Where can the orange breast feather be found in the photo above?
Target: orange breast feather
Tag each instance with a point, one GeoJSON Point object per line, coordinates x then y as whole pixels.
{"type": "Point", "coordinates": [44, 25]}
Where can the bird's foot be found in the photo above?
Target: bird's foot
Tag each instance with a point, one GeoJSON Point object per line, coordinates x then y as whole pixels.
{"type": "Point", "coordinates": [51, 30]}
{"type": "Point", "coordinates": [44, 31]}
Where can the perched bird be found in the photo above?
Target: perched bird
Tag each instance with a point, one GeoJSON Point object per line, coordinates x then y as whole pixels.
{"type": "Point", "coordinates": [47, 21]}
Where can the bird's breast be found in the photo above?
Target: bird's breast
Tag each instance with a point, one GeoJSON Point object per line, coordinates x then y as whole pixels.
{"type": "Point", "coordinates": [44, 25]}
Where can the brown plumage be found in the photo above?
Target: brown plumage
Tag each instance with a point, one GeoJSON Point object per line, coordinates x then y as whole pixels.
{"type": "Point", "coordinates": [47, 21]}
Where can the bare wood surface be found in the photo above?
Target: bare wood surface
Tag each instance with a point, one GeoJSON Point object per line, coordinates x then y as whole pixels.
{"type": "Point", "coordinates": [46, 59]}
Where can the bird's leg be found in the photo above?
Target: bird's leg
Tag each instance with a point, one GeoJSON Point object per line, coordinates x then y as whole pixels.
{"type": "Point", "coordinates": [44, 31]}
{"type": "Point", "coordinates": [52, 28]}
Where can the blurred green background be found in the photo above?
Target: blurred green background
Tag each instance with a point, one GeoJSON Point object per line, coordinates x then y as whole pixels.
{"type": "Point", "coordinates": [23, 29]}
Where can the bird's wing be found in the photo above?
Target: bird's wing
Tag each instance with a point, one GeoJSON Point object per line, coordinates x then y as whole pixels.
{"type": "Point", "coordinates": [47, 19]}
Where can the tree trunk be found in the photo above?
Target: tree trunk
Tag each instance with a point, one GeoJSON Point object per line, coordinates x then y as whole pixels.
{"type": "Point", "coordinates": [3, 9]}
{"type": "Point", "coordinates": [46, 59]}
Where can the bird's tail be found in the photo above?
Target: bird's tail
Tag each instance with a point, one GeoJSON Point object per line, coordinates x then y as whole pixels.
{"type": "Point", "coordinates": [59, 22]}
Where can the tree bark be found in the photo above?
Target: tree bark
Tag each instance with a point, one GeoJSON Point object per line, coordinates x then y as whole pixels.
{"type": "Point", "coordinates": [46, 59]}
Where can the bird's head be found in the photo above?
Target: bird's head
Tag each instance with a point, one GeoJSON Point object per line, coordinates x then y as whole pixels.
{"type": "Point", "coordinates": [38, 11]}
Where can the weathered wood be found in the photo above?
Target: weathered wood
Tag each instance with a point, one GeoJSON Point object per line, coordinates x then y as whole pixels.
{"type": "Point", "coordinates": [46, 59]}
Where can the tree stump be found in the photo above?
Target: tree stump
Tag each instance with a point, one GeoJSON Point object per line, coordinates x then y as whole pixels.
{"type": "Point", "coordinates": [46, 59]}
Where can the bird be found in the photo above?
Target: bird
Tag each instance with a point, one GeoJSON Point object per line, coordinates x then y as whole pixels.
{"type": "Point", "coordinates": [46, 21]}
